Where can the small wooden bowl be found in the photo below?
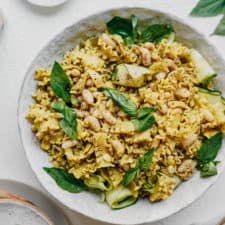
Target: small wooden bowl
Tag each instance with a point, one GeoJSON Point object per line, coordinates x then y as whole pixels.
{"type": "Point", "coordinates": [14, 209]}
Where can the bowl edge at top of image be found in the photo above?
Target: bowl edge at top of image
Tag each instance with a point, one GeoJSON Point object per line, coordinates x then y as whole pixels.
{"type": "Point", "coordinates": [87, 203]}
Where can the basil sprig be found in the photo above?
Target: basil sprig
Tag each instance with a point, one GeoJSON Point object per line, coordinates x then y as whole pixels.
{"type": "Point", "coordinates": [143, 165]}
{"type": "Point", "coordinates": [145, 119]}
{"type": "Point", "coordinates": [69, 121]}
{"type": "Point", "coordinates": [66, 180]}
{"type": "Point", "coordinates": [142, 119]}
{"type": "Point", "coordinates": [156, 32]}
{"type": "Point", "coordinates": [208, 8]}
{"type": "Point", "coordinates": [128, 30]}
{"type": "Point", "coordinates": [121, 100]}
{"type": "Point", "coordinates": [207, 154]}
{"type": "Point", "coordinates": [60, 83]}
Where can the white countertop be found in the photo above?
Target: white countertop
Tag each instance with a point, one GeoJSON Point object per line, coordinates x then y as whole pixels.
{"type": "Point", "coordinates": [28, 29]}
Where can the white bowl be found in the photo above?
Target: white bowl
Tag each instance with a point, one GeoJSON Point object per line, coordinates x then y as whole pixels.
{"type": "Point", "coordinates": [88, 203]}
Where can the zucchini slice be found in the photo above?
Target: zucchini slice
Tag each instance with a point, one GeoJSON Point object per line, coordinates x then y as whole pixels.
{"type": "Point", "coordinates": [129, 75]}
{"type": "Point", "coordinates": [215, 100]}
{"type": "Point", "coordinates": [120, 197]}
{"type": "Point", "coordinates": [205, 71]}
{"type": "Point", "coordinates": [171, 38]}
{"type": "Point", "coordinates": [96, 182]}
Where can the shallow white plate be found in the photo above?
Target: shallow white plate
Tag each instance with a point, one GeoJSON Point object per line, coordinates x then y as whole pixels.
{"type": "Point", "coordinates": [36, 197]}
{"type": "Point", "coordinates": [85, 202]}
{"type": "Point", "coordinates": [47, 3]}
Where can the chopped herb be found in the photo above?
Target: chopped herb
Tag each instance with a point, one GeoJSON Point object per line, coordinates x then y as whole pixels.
{"type": "Point", "coordinates": [121, 100]}
{"type": "Point", "coordinates": [66, 180]}
{"type": "Point", "coordinates": [69, 121]}
{"type": "Point", "coordinates": [60, 83]}
{"type": "Point", "coordinates": [156, 32]}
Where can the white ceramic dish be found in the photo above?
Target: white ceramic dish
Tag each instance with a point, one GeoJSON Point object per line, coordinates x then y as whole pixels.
{"type": "Point", "coordinates": [47, 3]}
{"type": "Point", "coordinates": [88, 203]}
{"type": "Point", "coordinates": [16, 212]}
{"type": "Point", "coordinates": [17, 207]}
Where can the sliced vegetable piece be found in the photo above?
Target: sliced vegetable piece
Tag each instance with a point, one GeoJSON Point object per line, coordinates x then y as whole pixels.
{"type": "Point", "coordinates": [129, 75]}
{"type": "Point", "coordinates": [120, 197]}
{"type": "Point", "coordinates": [214, 99]}
{"type": "Point", "coordinates": [209, 169]}
{"type": "Point", "coordinates": [171, 38]}
{"type": "Point", "coordinates": [96, 182]}
{"type": "Point", "coordinates": [205, 72]}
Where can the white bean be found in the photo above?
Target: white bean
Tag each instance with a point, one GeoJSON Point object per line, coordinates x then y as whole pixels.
{"type": "Point", "coordinates": [108, 117]}
{"type": "Point", "coordinates": [88, 97]}
{"type": "Point", "coordinates": [93, 123]}
{"type": "Point", "coordinates": [107, 39]}
{"type": "Point", "coordinates": [146, 56]}
{"type": "Point", "coordinates": [149, 45]}
{"type": "Point", "coordinates": [207, 115]}
{"type": "Point", "coordinates": [69, 144]}
{"type": "Point", "coordinates": [160, 75]}
{"type": "Point", "coordinates": [118, 147]}
{"type": "Point", "coordinates": [189, 140]}
{"type": "Point", "coordinates": [182, 93]}
{"type": "Point", "coordinates": [187, 164]}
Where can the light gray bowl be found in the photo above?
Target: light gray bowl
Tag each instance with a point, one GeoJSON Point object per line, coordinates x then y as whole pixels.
{"type": "Point", "coordinates": [88, 203]}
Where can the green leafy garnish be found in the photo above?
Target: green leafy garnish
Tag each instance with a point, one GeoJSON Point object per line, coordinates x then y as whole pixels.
{"type": "Point", "coordinates": [69, 121]}
{"type": "Point", "coordinates": [60, 83]}
{"type": "Point", "coordinates": [207, 154]}
{"type": "Point", "coordinates": [207, 8]}
{"type": "Point", "coordinates": [126, 28]}
{"type": "Point", "coordinates": [209, 148]}
{"type": "Point", "coordinates": [144, 119]}
{"type": "Point", "coordinates": [143, 112]}
{"type": "Point", "coordinates": [95, 182]}
{"type": "Point", "coordinates": [208, 169]}
{"type": "Point", "coordinates": [130, 175]}
{"type": "Point", "coordinates": [143, 165]}
{"type": "Point", "coordinates": [220, 29]}
{"type": "Point", "coordinates": [156, 32]}
{"type": "Point", "coordinates": [66, 180]}
{"type": "Point", "coordinates": [144, 123]}
{"type": "Point", "coordinates": [121, 100]}
{"type": "Point", "coordinates": [146, 160]}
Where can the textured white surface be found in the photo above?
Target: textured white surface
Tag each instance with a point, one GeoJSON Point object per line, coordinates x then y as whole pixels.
{"type": "Point", "coordinates": [27, 30]}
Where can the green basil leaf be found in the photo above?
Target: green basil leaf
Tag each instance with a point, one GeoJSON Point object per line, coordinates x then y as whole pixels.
{"type": "Point", "coordinates": [60, 83]}
{"type": "Point", "coordinates": [121, 100]}
{"type": "Point", "coordinates": [126, 28]}
{"type": "Point", "coordinates": [220, 29]}
{"type": "Point", "coordinates": [208, 169]}
{"type": "Point", "coordinates": [130, 175]}
{"type": "Point", "coordinates": [145, 111]}
{"type": "Point", "coordinates": [69, 121]}
{"type": "Point", "coordinates": [207, 8]}
{"type": "Point", "coordinates": [66, 180]}
{"type": "Point", "coordinates": [144, 123]}
{"type": "Point", "coordinates": [156, 32]}
{"type": "Point", "coordinates": [210, 148]}
{"type": "Point", "coordinates": [146, 160]}
{"type": "Point", "coordinates": [134, 21]}
{"type": "Point", "coordinates": [120, 26]}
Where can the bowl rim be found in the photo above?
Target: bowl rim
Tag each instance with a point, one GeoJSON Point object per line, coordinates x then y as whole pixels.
{"type": "Point", "coordinates": [137, 6]}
